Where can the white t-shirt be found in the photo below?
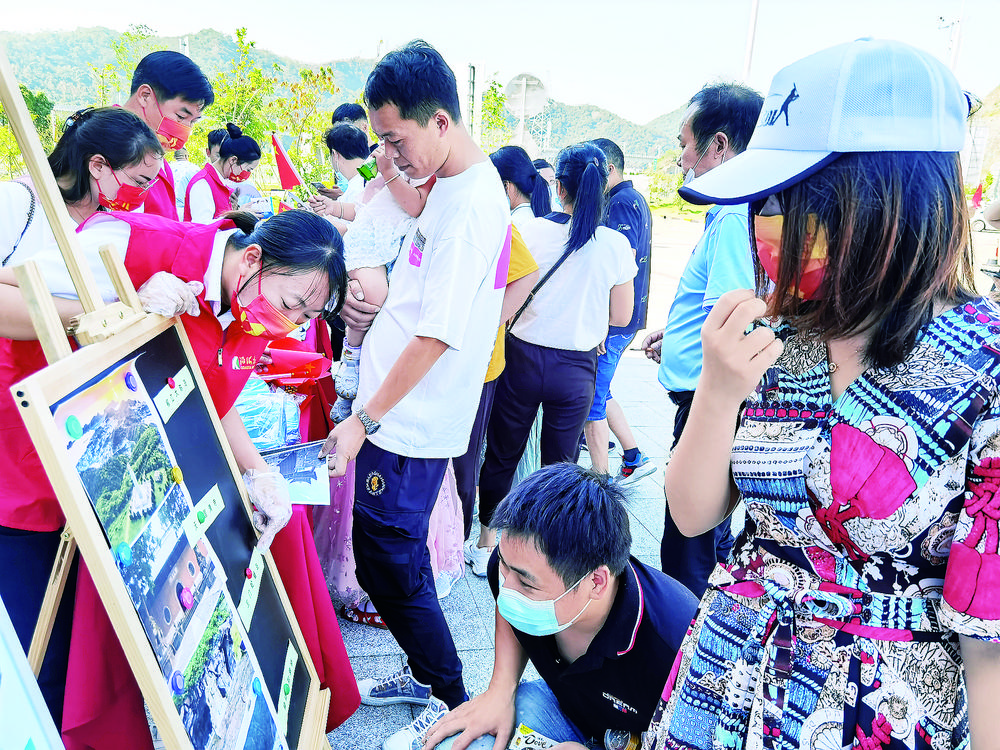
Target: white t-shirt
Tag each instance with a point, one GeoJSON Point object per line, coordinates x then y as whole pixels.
{"type": "Point", "coordinates": [355, 190]}
{"type": "Point", "coordinates": [447, 284]}
{"type": "Point", "coordinates": [39, 241]}
{"type": "Point", "coordinates": [201, 201]}
{"type": "Point", "coordinates": [183, 171]}
{"type": "Point", "coordinates": [520, 214]}
{"type": "Point", "coordinates": [15, 203]}
{"type": "Point", "coordinates": [571, 310]}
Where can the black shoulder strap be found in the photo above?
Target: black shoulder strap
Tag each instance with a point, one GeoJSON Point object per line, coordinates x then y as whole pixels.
{"type": "Point", "coordinates": [539, 285]}
{"type": "Point", "coordinates": [31, 215]}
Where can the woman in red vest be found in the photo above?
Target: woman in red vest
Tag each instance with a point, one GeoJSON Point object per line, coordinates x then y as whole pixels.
{"type": "Point", "coordinates": [239, 283]}
{"type": "Point", "coordinates": [208, 196]}
{"type": "Point", "coordinates": [106, 158]}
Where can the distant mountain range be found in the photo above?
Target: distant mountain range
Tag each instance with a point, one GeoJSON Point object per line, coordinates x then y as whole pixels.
{"type": "Point", "coordinates": [59, 63]}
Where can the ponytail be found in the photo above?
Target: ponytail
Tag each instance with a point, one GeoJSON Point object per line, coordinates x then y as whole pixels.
{"type": "Point", "coordinates": [582, 170]}
{"type": "Point", "coordinates": [514, 166]}
{"type": "Point", "coordinates": [541, 202]}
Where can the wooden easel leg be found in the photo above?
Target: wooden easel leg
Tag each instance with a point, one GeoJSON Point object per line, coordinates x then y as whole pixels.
{"type": "Point", "coordinates": [50, 604]}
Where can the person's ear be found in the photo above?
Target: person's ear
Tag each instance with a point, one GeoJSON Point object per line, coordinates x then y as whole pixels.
{"type": "Point", "coordinates": [96, 165]}
{"type": "Point", "coordinates": [600, 582]}
{"type": "Point", "coordinates": [145, 94]}
{"type": "Point", "coordinates": [251, 260]}
{"type": "Point", "coordinates": [720, 142]}
{"type": "Point", "coordinates": [441, 121]}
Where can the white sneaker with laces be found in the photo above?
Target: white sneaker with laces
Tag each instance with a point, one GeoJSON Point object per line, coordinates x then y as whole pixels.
{"type": "Point", "coordinates": [401, 687]}
{"type": "Point", "coordinates": [478, 557]}
{"type": "Point", "coordinates": [411, 737]}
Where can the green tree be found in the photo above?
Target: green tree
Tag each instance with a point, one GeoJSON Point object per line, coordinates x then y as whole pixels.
{"type": "Point", "coordinates": [242, 91]}
{"type": "Point", "coordinates": [296, 112]}
{"type": "Point", "coordinates": [495, 131]}
{"type": "Point", "coordinates": [40, 110]}
{"type": "Point", "coordinates": [105, 83]}
{"type": "Point", "coordinates": [134, 44]}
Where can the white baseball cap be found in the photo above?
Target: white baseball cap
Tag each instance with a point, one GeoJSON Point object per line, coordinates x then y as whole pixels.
{"type": "Point", "coordinates": [867, 95]}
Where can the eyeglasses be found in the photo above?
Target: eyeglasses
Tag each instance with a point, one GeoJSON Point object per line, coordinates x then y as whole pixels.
{"type": "Point", "coordinates": [143, 186]}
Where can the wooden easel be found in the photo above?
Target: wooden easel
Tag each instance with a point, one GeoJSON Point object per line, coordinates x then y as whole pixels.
{"type": "Point", "coordinates": [108, 333]}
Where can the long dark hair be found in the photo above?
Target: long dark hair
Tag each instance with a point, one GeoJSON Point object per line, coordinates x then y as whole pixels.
{"type": "Point", "coordinates": [582, 171]}
{"type": "Point", "coordinates": [898, 234]}
{"type": "Point", "coordinates": [514, 166]}
{"type": "Point", "coordinates": [294, 242]}
{"type": "Point", "coordinates": [121, 137]}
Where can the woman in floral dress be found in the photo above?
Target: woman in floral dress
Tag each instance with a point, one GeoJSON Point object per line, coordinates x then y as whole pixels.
{"type": "Point", "coordinates": [860, 607]}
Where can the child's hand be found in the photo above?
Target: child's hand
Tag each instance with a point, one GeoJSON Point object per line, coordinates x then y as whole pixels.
{"type": "Point", "coordinates": [322, 205]}
{"type": "Point", "coordinates": [386, 166]}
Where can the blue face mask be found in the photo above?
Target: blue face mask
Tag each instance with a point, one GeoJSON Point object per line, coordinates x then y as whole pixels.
{"type": "Point", "coordinates": [341, 181]}
{"type": "Point", "coordinates": [533, 617]}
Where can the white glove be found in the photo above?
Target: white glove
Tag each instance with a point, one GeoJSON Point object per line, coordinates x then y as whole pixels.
{"type": "Point", "coordinates": [268, 492]}
{"type": "Point", "coordinates": [168, 295]}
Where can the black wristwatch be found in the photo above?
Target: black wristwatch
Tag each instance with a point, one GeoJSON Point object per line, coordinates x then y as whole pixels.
{"type": "Point", "coordinates": [370, 425]}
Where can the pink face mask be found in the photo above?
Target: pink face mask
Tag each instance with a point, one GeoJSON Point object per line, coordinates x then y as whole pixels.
{"type": "Point", "coordinates": [260, 317]}
{"type": "Point", "coordinates": [128, 197]}
{"type": "Point", "coordinates": [767, 231]}
{"type": "Point", "coordinates": [172, 134]}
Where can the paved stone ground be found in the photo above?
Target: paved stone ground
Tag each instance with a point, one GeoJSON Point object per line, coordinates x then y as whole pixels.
{"type": "Point", "coordinates": [469, 608]}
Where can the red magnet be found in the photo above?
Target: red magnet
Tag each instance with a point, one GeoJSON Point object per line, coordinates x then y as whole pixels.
{"type": "Point", "coordinates": [171, 383]}
{"type": "Point", "coordinates": [249, 573]}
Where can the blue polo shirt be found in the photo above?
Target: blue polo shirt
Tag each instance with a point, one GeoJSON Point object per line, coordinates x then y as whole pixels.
{"type": "Point", "coordinates": [627, 212]}
{"type": "Point", "coordinates": [618, 682]}
{"type": "Point", "coordinates": [721, 261]}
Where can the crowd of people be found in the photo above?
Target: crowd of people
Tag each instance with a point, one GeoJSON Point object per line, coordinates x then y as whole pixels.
{"type": "Point", "coordinates": [831, 366]}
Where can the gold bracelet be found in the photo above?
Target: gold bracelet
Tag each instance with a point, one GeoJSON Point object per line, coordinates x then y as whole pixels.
{"type": "Point", "coordinates": [392, 178]}
{"type": "Point", "coordinates": [340, 207]}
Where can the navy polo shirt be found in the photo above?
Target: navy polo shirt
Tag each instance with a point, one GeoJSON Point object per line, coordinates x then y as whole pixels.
{"type": "Point", "coordinates": [618, 682]}
{"type": "Point", "coordinates": [627, 212]}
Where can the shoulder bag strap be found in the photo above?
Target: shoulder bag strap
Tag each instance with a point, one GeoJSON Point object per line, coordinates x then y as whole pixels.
{"type": "Point", "coordinates": [31, 215]}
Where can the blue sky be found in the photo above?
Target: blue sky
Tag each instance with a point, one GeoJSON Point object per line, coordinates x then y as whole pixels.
{"type": "Point", "coordinates": [639, 58]}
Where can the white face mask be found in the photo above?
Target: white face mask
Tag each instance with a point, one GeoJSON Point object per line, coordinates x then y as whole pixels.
{"type": "Point", "coordinates": [689, 175]}
{"type": "Point", "coordinates": [530, 616]}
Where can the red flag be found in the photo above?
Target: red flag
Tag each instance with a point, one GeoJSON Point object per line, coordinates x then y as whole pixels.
{"type": "Point", "coordinates": [977, 199]}
{"type": "Point", "coordinates": [287, 174]}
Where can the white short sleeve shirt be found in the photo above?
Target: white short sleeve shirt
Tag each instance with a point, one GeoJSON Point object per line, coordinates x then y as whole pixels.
{"type": "Point", "coordinates": [447, 284]}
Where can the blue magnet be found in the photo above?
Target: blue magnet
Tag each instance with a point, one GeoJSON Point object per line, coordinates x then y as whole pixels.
{"type": "Point", "coordinates": [131, 382]}
{"type": "Point", "coordinates": [177, 683]}
{"type": "Point", "coordinates": [256, 685]}
{"type": "Point", "coordinates": [124, 554]}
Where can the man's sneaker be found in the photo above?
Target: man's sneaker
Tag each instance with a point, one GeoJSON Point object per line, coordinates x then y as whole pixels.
{"type": "Point", "coordinates": [411, 737]}
{"type": "Point", "coordinates": [629, 473]}
{"type": "Point", "coordinates": [478, 557]}
{"type": "Point", "coordinates": [401, 687]}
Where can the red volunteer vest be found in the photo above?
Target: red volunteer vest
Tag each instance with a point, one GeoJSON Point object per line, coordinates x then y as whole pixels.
{"type": "Point", "coordinates": [161, 199]}
{"type": "Point", "coordinates": [226, 359]}
{"type": "Point", "coordinates": [220, 191]}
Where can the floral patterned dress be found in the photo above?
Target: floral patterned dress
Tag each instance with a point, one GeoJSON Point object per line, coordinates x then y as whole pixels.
{"type": "Point", "coordinates": [871, 544]}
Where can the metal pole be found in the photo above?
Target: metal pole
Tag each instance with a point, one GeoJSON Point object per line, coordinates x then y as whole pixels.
{"type": "Point", "coordinates": [751, 34]}
{"type": "Point", "coordinates": [524, 101]}
{"type": "Point", "coordinates": [956, 38]}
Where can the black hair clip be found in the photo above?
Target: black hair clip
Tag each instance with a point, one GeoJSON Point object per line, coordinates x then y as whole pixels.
{"type": "Point", "coordinates": [77, 117]}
